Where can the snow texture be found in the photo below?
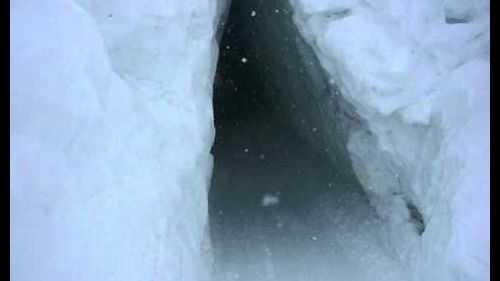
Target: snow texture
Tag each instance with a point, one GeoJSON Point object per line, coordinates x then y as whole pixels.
{"type": "Point", "coordinates": [111, 126]}
{"type": "Point", "coordinates": [110, 130]}
{"type": "Point", "coordinates": [418, 74]}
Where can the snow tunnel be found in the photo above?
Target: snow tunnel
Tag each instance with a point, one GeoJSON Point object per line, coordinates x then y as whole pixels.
{"type": "Point", "coordinates": [284, 202]}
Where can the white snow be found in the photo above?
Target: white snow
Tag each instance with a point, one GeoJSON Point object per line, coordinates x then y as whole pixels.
{"type": "Point", "coordinates": [111, 126]}
{"type": "Point", "coordinates": [417, 72]}
{"type": "Point", "coordinates": [110, 132]}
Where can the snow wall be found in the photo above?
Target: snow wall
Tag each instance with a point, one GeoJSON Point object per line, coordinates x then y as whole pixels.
{"type": "Point", "coordinates": [110, 133]}
{"type": "Point", "coordinates": [418, 75]}
{"type": "Point", "coordinates": [111, 127]}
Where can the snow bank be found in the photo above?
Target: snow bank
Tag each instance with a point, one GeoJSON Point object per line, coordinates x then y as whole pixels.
{"type": "Point", "coordinates": [110, 131]}
{"type": "Point", "coordinates": [417, 73]}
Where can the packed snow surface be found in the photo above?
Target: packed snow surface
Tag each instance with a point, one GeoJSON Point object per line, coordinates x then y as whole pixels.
{"type": "Point", "coordinates": [418, 73]}
{"type": "Point", "coordinates": [320, 228]}
{"type": "Point", "coordinates": [110, 130]}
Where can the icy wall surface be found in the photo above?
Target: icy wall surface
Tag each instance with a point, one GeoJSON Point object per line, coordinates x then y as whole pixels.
{"type": "Point", "coordinates": [110, 131]}
{"type": "Point", "coordinates": [417, 72]}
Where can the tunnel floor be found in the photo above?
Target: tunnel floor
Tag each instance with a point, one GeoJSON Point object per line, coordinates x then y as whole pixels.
{"type": "Point", "coordinates": [279, 210]}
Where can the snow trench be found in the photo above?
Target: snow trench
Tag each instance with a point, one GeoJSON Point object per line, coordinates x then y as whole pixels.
{"type": "Point", "coordinates": [372, 98]}
{"type": "Point", "coordinates": [285, 203]}
{"type": "Point", "coordinates": [352, 140]}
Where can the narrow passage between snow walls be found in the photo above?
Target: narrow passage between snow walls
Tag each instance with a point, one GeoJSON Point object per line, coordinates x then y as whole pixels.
{"type": "Point", "coordinates": [280, 207]}
{"type": "Point", "coordinates": [352, 140]}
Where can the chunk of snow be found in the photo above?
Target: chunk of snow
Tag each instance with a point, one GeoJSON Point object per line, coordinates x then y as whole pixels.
{"type": "Point", "coordinates": [269, 200]}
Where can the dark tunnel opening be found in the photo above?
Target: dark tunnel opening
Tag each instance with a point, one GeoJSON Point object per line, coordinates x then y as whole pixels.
{"type": "Point", "coordinates": [284, 203]}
